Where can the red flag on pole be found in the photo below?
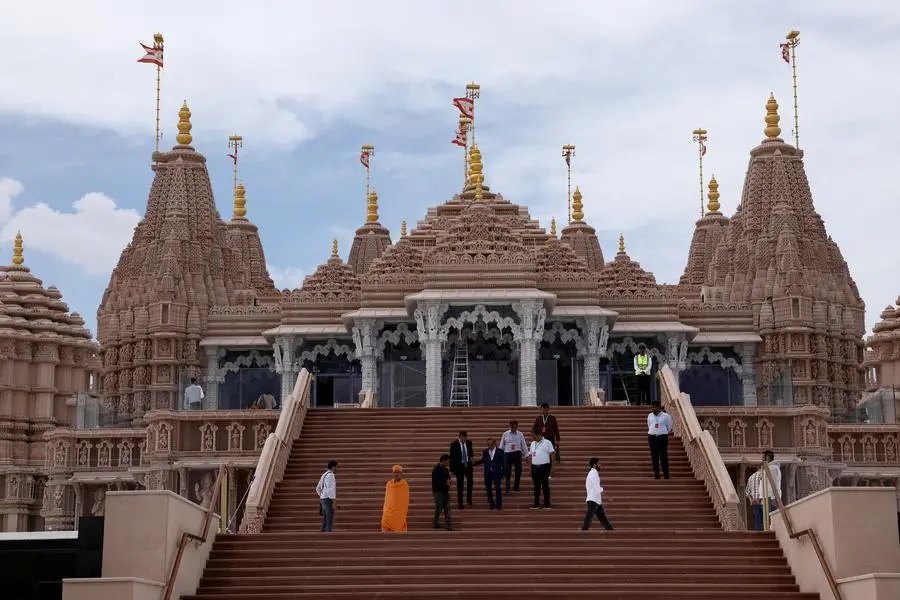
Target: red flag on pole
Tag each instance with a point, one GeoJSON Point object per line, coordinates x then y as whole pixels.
{"type": "Point", "coordinates": [702, 145]}
{"type": "Point", "coordinates": [786, 53]}
{"type": "Point", "coordinates": [568, 158]}
{"type": "Point", "coordinates": [364, 158]}
{"type": "Point", "coordinates": [460, 139]}
{"type": "Point", "coordinates": [152, 55]}
{"type": "Point", "coordinates": [466, 107]}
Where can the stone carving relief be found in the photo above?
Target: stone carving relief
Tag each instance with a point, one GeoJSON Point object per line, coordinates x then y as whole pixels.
{"type": "Point", "coordinates": [868, 449]}
{"type": "Point", "coordinates": [83, 454]}
{"type": "Point", "coordinates": [738, 429]}
{"type": "Point", "coordinates": [163, 437]}
{"type": "Point", "coordinates": [848, 448]}
{"type": "Point", "coordinates": [246, 360]}
{"type": "Point", "coordinates": [125, 448]}
{"type": "Point", "coordinates": [712, 426]}
{"type": "Point", "coordinates": [479, 313]}
{"type": "Point", "coordinates": [235, 437]}
{"type": "Point", "coordinates": [765, 431]}
{"type": "Point", "coordinates": [428, 322]}
{"type": "Point", "coordinates": [402, 333]}
{"type": "Point", "coordinates": [104, 454]}
{"type": "Point", "coordinates": [98, 508]}
{"type": "Point", "coordinates": [810, 434]}
{"type": "Point", "coordinates": [628, 344]}
{"type": "Point", "coordinates": [208, 437]}
{"type": "Point", "coordinates": [329, 347]}
{"type": "Point", "coordinates": [203, 491]}
{"type": "Point", "coordinates": [707, 355]}
{"type": "Point", "coordinates": [261, 431]}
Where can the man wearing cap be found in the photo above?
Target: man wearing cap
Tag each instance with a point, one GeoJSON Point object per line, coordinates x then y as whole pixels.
{"type": "Point", "coordinates": [396, 502]}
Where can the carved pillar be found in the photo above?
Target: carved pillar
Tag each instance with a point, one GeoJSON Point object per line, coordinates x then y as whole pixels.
{"type": "Point", "coordinates": [748, 378]}
{"type": "Point", "coordinates": [789, 482]}
{"type": "Point", "coordinates": [528, 335]}
{"type": "Point", "coordinates": [595, 336]}
{"type": "Point", "coordinates": [286, 363]}
{"type": "Point", "coordinates": [365, 332]}
{"type": "Point", "coordinates": [211, 393]}
{"type": "Point", "coordinates": [676, 353]}
{"type": "Point", "coordinates": [428, 322]}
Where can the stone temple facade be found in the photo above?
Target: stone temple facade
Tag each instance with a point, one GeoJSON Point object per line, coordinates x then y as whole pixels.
{"type": "Point", "coordinates": [764, 331]}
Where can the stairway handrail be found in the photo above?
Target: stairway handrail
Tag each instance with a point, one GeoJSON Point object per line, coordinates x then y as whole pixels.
{"type": "Point", "coordinates": [274, 456]}
{"type": "Point", "coordinates": [809, 532]}
{"type": "Point", "coordinates": [703, 454]}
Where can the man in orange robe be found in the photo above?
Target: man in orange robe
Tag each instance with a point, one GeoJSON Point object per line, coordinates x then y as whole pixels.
{"type": "Point", "coordinates": [396, 502]}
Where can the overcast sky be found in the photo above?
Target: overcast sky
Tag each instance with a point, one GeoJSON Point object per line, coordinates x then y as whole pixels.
{"type": "Point", "coordinates": [306, 83]}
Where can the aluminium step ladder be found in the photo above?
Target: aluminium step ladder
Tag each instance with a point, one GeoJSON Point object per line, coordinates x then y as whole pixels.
{"type": "Point", "coordinates": [459, 385]}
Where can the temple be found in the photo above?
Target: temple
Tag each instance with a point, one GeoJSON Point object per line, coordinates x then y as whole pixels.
{"type": "Point", "coordinates": [476, 305]}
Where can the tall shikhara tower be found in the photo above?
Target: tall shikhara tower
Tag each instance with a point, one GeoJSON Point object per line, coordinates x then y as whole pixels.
{"type": "Point", "coordinates": [776, 255]}
{"type": "Point", "coordinates": [182, 260]}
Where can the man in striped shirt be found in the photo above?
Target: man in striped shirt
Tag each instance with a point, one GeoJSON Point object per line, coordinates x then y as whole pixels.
{"type": "Point", "coordinates": [760, 491]}
{"type": "Point", "coordinates": [513, 444]}
{"type": "Point", "coordinates": [327, 491]}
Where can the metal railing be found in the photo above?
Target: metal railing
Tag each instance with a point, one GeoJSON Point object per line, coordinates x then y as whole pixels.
{"type": "Point", "coordinates": [769, 483]}
{"type": "Point", "coordinates": [187, 537]}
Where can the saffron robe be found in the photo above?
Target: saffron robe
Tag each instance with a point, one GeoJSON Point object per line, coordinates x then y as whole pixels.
{"type": "Point", "coordinates": [396, 506]}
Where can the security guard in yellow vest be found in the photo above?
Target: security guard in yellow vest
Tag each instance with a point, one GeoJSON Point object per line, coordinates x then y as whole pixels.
{"type": "Point", "coordinates": [643, 365]}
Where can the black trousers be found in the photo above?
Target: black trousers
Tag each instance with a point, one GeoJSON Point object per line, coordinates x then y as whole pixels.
{"type": "Point", "coordinates": [540, 475]}
{"type": "Point", "coordinates": [464, 474]}
{"type": "Point", "coordinates": [643, 388]}
{"type": "Point", "coordinates": [513, 460]}
{"type": "Point", "coordinates": [442, 505]}
{"type": "Point", "coordinates": [659, 454]}
{"type": "Point", "coordinates": [494, 493]}
{"type": "Point", "coordinates": [595, 510]}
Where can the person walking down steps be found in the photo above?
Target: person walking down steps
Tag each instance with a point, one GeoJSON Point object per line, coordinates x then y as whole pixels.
{"type": "Point", "coordinates": [594, 497]}
{"type": "Point", "coordinates": [659, 429]}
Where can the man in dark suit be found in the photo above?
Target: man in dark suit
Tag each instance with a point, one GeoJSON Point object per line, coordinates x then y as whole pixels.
{"type": "Point", "coordinates": [461, 466]}
{"type": "Point", "coordinates": [492, 459]}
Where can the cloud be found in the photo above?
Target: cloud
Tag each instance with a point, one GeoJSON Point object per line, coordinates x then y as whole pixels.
{"type": "Point", "coordinates": [286, 277]}
{"type": "Point", "coordinates": [91, 236]}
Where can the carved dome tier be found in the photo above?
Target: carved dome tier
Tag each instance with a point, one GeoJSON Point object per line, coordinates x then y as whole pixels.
{"type": "Point", "coordinates": [625, 275]}
{"type": "Point", "coordinates": [398, 272]}
{"type": "Point", "coordinates": [334, 282]}
{"type": "Point", "coordinates": [890, 320]}
{"type": "Point", "coordinates": [561, 271]}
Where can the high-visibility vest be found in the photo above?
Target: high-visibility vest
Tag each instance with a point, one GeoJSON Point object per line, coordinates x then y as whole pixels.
{"type": "Point", "coordinates": [643, 360]}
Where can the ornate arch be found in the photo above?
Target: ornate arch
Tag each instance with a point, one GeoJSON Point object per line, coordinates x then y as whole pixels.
{"type": "Point", "coordinates": [629, 344]}
{"type": "Point", "coordinates": [246, 360]}
{"type": "Point", "coordinates": [479, 313]}
{"type": "Point", "coordinates": [705, 354]}
{"type": "Point", "coordinates": [488, 333]}
{"type": "Point", "coordinates": [558, 330]}
{"type": "Point", "coordinates": [330, 346]}
{"type": "Point", "coordinates": [401, 333]}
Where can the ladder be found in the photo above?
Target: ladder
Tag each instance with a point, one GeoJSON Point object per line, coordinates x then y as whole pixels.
{"type": "Point", "coordinates": [459, 385]}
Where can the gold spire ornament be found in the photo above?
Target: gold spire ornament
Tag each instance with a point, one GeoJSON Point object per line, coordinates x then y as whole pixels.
{"type": "Point", "coordinates": [18, 255]}
{"type": "Point", "coordinates": [476, 177]}
{"type": "Point", "coordinates": [772, 129]}
{"type": "Point", "coordinates": [465, 126]}
{"type": "Point", "coordinates": [621, 243]}
{"type": "Point", "coordinates": [793, 40]}
{"type": "Point", "coordinates": [568, 151]}
{"type": "Point", "coordinates": [334, 248]}
{"type": "Point", "coordinates": [403, 228]}
{"type": "Point", "coordinates": [700, 137]}
{"type": "Point", "coordinates": [235, 142]}
{"type": "Point", "coordinates": [577, 206]}
{"type": "Point", "coordinates": [372, 207]}
{"type": "Point", "coordinates": [240, 201]}
{"type": "Point", "coordinates": [713, 195]}
{"type": "Point", "coordinates": [184, 126]}
{"type": "Point", "coordinates": [553, 226]}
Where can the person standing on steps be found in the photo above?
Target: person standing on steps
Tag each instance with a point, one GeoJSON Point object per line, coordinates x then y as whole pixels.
{"type": "Point", "coordinates": [492, 459]}
{"type": "Point", "coordinates": [327, 491]}
{"type": "Point", "coordinates": [643, 365]}
{"type": "Point", "coordinates": [396, 503]}
{"type": "Point", "coordinates": [549, 428]}
{"type": "Point", "coordinates": [513, 443]}
{"type": "Point", "coordinates": [540, 454]}
{"type": "Point", "coordinates": [594, 497]}
{"type": "Point", "coordinates": [440, 487]}
{"type": "Point", "coordinates": [757, 487]}
{"type": "Point", "coordinates": [659, 429]}
{"type": "Point", "coordinates": [461, 466]}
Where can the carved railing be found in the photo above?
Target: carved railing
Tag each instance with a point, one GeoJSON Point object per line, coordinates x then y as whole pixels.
{"type": "Point", "coordinates": [275, 452]}
{"type": "Point", "coordinates": [368, 400]}
{"type": "Point", "coordinates": [706, 462]}
{"type": "Point", "coordinates": [595, 397]}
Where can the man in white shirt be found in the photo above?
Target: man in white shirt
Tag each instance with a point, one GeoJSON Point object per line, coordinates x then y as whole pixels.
{"type": "Point", "coordinates": [540, 454]}
{"type": "Point", "coordinates": [193, 395]}
{"type": "Point", "coordinates": [758, 486]}
{"type": "Point", "coordinates": [594, 497]}
{"type": "Point", "coordinates": [513, 443]}
{"type": "Point", "coordinates": [643, 365]}
{"type": "Point", "coordinates": [659, 428]}
{"type": "Point", "coordinates": [327, 491]}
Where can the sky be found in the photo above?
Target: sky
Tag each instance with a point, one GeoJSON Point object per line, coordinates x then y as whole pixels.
{"type": "Point", "coordinates": [307, 83]}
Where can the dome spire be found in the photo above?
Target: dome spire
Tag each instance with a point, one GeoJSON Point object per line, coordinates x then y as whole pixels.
{"type": "Point", "coordinates": [713, 195]}
{"type": "Point", "coordinates": [403, 228]}
{"type": "Point", "coordinates": [577, 206]}
{"type": "Point", "coordinates": [772, 129]}
{"type": "Point", "coordinates": [476, 177]}
{"type": "Point", "coordinates": [18, 257]}
{"type": "Point", "coordinates": [372, 207]}
{"type": "Point", "coordinates": [334, 248]}
{"type": "Point", "coordinates": [240, 201]}
{"type": "Point", "coordinates": [184, 126]}
{"type": "Point", "coordinates": [621, 243]}
{"type": "Point", "coordinates": [553, 226]}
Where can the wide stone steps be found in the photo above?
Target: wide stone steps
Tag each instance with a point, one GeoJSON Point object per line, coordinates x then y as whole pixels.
{"type": "Point", "coordinates": [667, 544]}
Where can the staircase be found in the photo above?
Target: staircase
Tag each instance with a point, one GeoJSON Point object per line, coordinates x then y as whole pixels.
{"type": "Point", "coordinates": [667, 543]}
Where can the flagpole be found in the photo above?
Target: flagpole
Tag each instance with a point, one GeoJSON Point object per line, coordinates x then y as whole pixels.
{"type": "Point", "coordinates": [568, 151]}
{"type": "Point", "coordinates": [473, 92]}
{"type": "Point", "coordinates": [465, 124]}
{"type": "Point", "coordinates": [158, 43]}
{"type": "Point", "coordinates": [235, 142]}
{"type": "Point", "coordinates": [368, 150]}
{"type": "Point", "coordinates": [793, 40]}
{"type": "Point", "coordinates": [700, 138]}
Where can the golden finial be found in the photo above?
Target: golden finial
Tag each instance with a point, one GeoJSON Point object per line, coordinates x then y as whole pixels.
{"type": "Point", "coordinates": [18, 257]}
{"type": "Point", "coordinates": [621, 243]}
{"type": "Point", "coordinates": [553, 226]}
{"type": "Point", "coordinates": [577, 206]}
{"type": "Point", "coordinates": [772, 118]}
{"type": "Point", "coordinates": [240, 201]}
{"type": "Point", "coordinates": [184, 126]}
{"type": "Point", "coordinates": [713, 195]}
{"type": "Point", "coordinates": [372, 207]}
{"type": "Point", "coordinates": [334, 248]}
{"type": "Point", "coordinates": [476, 177]}
{"type": "Point", "coordinates": [403, 228]}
